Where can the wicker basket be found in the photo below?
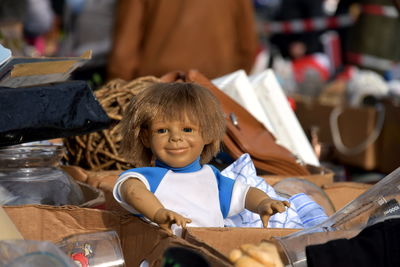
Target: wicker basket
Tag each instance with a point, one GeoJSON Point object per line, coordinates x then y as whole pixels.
{"type": "Point", "coordinates": [100, 150]}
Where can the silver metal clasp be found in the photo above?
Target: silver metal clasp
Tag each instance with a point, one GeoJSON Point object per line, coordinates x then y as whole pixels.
{"type": "Point", "coordinates": [234, 120]}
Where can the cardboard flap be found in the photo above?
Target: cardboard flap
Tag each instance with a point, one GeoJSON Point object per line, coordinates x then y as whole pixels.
{"type": "Point", "coordinates": [221, 241]}
{"type": "Point", "coordinates": [318, 175]}
{"type": "Point", "coordinates": [151, 242]}
{"type": "Point", "coordinates": [54, 223]}
{"type": "Point", "coordinates": [341, 193]}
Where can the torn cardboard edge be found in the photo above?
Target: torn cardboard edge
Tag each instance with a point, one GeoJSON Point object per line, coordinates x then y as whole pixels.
{"type": "Point", "coordinates": [94, 197]}
{"type": "Point", "coordinates": [318, 175]}
{"type": "Point", "coordinates": [224, 240]}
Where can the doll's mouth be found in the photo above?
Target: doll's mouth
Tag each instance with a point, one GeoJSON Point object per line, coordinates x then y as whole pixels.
{"type": "Point", "coordinates": [176, 150]}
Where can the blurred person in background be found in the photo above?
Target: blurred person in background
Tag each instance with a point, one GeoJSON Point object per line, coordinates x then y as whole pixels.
{"type": "Point", "coordinates": [299, 44]}
{"type": "Point", "coordinates": [295, 45]}
{"type": "Point", "coordinates": [24, 25]}
{"type": "Point", "coordinates": [87, 25]}
{"type": "Point", "coordinates": [154, 37]}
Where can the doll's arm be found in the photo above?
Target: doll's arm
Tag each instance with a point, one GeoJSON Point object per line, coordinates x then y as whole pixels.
{"type": "Point", "coordinates": [135, 193]}
{"type": "Point", "coordinates": [259, 202]}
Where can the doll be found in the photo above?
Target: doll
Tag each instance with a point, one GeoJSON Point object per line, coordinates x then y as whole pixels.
{"type": "Point", "coordinates": [170, 131]}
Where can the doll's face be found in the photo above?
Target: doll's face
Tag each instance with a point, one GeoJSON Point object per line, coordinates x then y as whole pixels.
{"type": "Point", "coordinates": [175, 143]}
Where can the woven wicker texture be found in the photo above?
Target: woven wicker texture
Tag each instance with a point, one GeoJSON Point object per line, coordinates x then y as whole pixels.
{"type": "Point", "coordinates": [100, 150]}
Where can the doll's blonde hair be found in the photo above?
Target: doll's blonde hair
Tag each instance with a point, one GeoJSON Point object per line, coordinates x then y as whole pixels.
{"type": "Point", "coordinates": [168, 101]}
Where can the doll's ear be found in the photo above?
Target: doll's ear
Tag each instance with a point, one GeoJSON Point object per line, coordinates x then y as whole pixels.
{"type": "Point", "coordinates": [145, 138]}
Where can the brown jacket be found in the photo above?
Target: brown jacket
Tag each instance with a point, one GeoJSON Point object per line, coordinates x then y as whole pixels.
{"type": "Point", "coordinates": [153, 37]}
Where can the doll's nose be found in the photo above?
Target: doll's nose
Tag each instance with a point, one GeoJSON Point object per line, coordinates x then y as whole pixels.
{"type": "Point", "coordinates": [175, 137]}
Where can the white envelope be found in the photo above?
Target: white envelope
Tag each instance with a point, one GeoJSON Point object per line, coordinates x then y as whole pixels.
{"type": "Point", "coordinates": [286, 126]}
{"type": "Point", "coordinates": [238, 87]}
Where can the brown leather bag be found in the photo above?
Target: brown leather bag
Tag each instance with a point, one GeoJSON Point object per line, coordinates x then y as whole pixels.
{"type": "Point", "coordinates": [244, 133]}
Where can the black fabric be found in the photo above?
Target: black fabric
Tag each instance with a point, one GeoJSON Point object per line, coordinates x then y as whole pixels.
{"type": "Point", "coordinates": [51, 111]}
{"type": "Point", "coordinates": [377, 245]}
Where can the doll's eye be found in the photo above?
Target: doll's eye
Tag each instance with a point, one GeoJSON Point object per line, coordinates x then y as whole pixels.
{"type": "Point", "coordinates": [161, 131]}
{"type": "Point", "coordinates": [187, 130]}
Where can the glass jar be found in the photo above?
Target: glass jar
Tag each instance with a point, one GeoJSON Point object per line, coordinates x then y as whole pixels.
{"type": "Point", "coordinates": [30, 174]}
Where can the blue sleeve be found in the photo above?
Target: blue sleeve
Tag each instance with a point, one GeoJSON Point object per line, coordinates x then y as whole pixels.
{"type": "Point", "coordinates": [153, 175]}
{"type": "Point", "coordinates": [225, 188]}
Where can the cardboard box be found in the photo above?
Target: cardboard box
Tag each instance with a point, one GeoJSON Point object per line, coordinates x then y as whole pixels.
{"type": "Point", "coordinates": [389, 141]}
{"type": "Point", "coordinates": [94, 197]}
{"type": "Point", "coordinates": [354, 124]}
{"type": "Point", "coordinates": [143, 241]}
{"type": "Point", "coordinates": [318, 176]}
{"type": "Point", "coordinates": [342, 193]}
{"type": "Point", "coordinates": [221, 241]}
{"type": "Point", "coordinates": [139, 240]}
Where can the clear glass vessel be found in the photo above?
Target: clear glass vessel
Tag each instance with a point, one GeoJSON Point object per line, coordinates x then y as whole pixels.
{"type": "Point", "coordinates": [30, 174]}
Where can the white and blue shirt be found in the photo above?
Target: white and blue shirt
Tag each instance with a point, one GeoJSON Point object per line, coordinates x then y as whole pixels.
{"type": "Point", "coordinates": [198, 192]}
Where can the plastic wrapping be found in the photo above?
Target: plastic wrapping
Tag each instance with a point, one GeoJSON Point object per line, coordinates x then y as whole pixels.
{"type": "Point", "coordinates": [291, 186]}
{"type": "Point", "coordinates": [94, 249]}
{"type": "Point", "coordinates": [380, 202]}
{"type": "Point", "coordinates": [29, 253]}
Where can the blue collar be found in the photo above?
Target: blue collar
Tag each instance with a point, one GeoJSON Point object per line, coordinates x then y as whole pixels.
{"type": "Point", "coordinates": [192, 167]}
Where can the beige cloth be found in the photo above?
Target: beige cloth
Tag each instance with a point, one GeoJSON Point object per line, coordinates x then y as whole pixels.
{"type": "Point", "coordinates": [153, 37]}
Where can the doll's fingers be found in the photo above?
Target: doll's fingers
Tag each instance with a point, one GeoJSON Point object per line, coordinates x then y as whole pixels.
{"type": "Point", "coordinates": [166, 218]}
{"type": "Point", "coordinates": [184, 221]}
{"type": "Point", "coordinates": [278, 206]}
{"type": "Point", "coordinates": [183, 224]}
{"type": "Point", "coordinates": [269, 210]}
{"type": "Point", "coordinates": [167, 228]}
{"type": "Point", "coordinates": [265, 219]}
{"type": "Point", "coordinates": [174, 218]}
{"type": "Point", "coordinates": [286, 203]}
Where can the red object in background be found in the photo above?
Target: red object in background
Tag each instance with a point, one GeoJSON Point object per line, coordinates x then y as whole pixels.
{"type": "Point", "coordinates": [80, 259]}
{"type": "Point", "coordinates": [292, 103]}
{"type": "Point", "coordinates": [346, 74]}
{"type": "Point", "coordinates": [301, 65]}
{"type": "Point", "coordinates": [331, 42]}
{"type": "Point", "coordinates": [39, 43]}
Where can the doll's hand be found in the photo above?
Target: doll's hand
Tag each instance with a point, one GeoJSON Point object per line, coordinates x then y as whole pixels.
{"type": "Point", "coordinates": [269, 207]}
{"type": "Point", "coordinates": [166, 218]}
